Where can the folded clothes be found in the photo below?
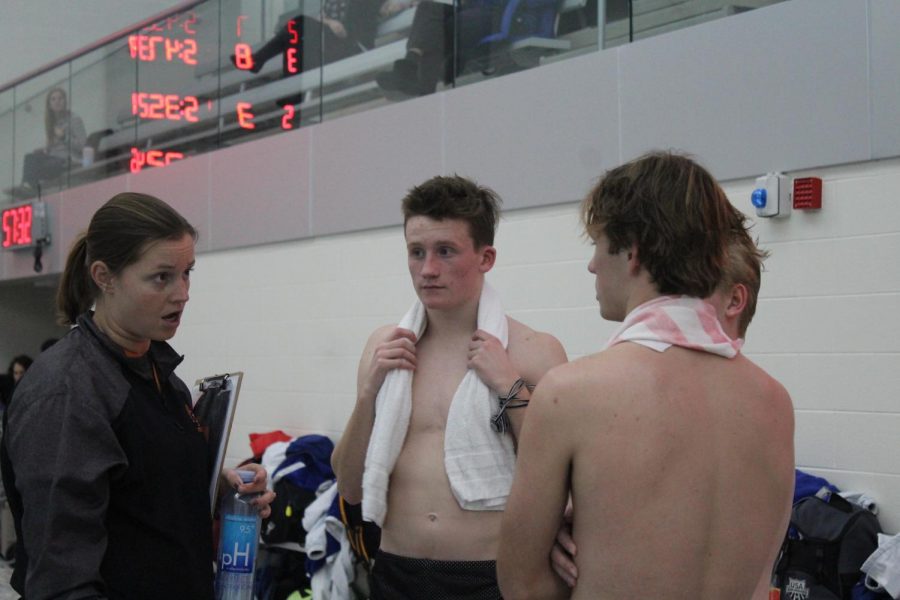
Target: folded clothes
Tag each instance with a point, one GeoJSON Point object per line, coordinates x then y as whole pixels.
{"type": "Point", "coordinates": [882, 568]}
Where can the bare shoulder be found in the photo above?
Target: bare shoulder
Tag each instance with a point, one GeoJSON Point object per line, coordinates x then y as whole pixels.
{"type": "Point", "coordinates": [599, 379]}
{"type": "Point", "coordinates": [760, 379]}
{"type": "Point", "coordinates": [778, 400]}
{"type": "Point", "coordinates": [381, 334]}
{"type": "Point", "coordinates": [534, 347]}
{"type": "Point", "coordinates": [568, 397]}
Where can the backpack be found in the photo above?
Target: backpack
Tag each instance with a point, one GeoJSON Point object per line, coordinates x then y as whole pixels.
{"type": "Point", "coordinates": [828, 541]}
{"type": "Point", "coordinates": [285, 523]}
{"type": "Point", "coordinates": [305, 467]}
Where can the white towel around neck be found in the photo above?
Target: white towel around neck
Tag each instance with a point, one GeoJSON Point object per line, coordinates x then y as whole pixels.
{"type": "Point", "coordinates": [479, 461]}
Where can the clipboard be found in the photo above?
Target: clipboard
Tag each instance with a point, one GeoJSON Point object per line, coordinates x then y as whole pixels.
{"type": "Point", "coordinates": [215, 400]}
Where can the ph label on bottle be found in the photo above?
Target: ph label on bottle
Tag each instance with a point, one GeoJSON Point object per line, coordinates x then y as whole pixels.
{"type": "Point", "coordinates": [238, 544]}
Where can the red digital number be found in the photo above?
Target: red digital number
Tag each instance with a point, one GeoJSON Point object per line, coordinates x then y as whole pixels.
{"type": "Point", "coordinates": [162, 26]}
{"type": "Point", "coordinates": [9, 227]}
{"type": "Point", "coordinates": [173, 107]}
{"type": "Point", "coordinates": [170, 23]}
{"type": "Point", "coordinates": [152, 158]}
{"type": "Point", "coordinates": [245, 116]}
{"type": "Point", "coordinates": [138, 160]}
{"type": "Point", "coordinates": [189, 54]}
{"type": "Point", "coordinates": [291, 60]}
{"type": "Point", "coordinates": [292, 29]}
{"type": "Point", "coordinates": [143, 47]}
{"type": "Point", "coordinates": [191, 106]}
{"type": "Point", "coordinates": [17, 226]}
{"type": "Point", "coordinates": [155, 104]}
{"type": "Point", "coordinates": [25, 214]}
{"type": "Point", "coordinates": [165, 106]}
{"type": "Point", "coordinates": [240, 20]}
{"type": "Point", "coordinates": [190, 20]}
{"type": "Point", "coordinates": [288, 116]}
{"type": "Point", "coordinates": [173, 48]}
{"type": "Point", "coordinates": [156, 158]}
{"type": "Point", "coordinates": [243, 56]}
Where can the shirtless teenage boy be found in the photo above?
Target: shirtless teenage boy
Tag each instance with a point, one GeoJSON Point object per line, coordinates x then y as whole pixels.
{"type": "Point", "coordinates": [429, 543]}
{"type": "Point", "coordinates": [679, 458]}
{"type": "Point", "coordinates": [735, 301]}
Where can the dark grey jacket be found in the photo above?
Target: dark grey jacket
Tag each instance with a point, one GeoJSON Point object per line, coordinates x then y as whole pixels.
{"type": "Point", "coordinates": [110, 476]}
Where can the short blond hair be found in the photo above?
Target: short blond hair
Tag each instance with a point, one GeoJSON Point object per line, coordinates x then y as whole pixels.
{"type": "Point", "coordinates": [743, 264]}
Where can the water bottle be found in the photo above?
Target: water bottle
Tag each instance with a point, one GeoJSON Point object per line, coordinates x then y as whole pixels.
{"type": "Point", "coordinates": [87, 156]}
{"type": "Point", "coordinates": [238, 540]}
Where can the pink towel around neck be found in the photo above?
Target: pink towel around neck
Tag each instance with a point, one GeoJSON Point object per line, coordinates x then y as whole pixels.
{"type": "Point", "coordinates": [676, 321]}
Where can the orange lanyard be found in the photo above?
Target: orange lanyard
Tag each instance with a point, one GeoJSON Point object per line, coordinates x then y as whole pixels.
{"type": "Point", "coordinates": [156, 377]}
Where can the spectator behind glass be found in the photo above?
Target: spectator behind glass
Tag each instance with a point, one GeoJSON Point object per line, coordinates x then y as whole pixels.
{"type": "Point", "coordinates": [66, 138]}
{"type": "Point", "coordinates": [18, 366]}
{"type": "Point", "coordinates": [429, 48]}
{"type": "Point", "coordinates": [347, 28]}
{"type": "Point", "coordinates": [105, 466]}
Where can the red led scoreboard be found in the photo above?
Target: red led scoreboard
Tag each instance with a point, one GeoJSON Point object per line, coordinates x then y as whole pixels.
{"type": "Point", "coordinates": [173, 42]}
{"type": "Point", "coordinates": [24, 225]}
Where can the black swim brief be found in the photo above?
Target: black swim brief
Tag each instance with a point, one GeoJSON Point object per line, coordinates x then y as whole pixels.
{"type": "Point", "coordinates": [401, 578]}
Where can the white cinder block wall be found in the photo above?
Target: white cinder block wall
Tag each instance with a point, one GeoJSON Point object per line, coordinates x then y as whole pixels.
{"type": "Point", "coordinates": [295, 316]}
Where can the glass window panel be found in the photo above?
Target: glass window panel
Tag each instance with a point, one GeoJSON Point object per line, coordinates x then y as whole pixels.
{"type": "Point", "coordinates": [8, 174]}
{"type": "Point", "coordinates": [632, 20]}
{"type": "Point", "coordinates": [47, 135]}
{"type": "Point", "coordinates": [174, 105]}
{"type": "Point", "coordinates": [102, 85]}
{"type": "Point", "coordinates": [412, 53]}
{"type": "Point", "coordinates": [577, 27]}
{"type": "Point", "coordinates": [359, 38]}
{"type": "Point", "coordinates": [456, 45]}
{"type": "Point", "coordinates": [617, 28]}
{"type": "Point", "coordinates": [313, 40]}
{"type": "Point", "coordinates": [228, 71]}
{"type": "Point", "coordinates": [262, 68]}
{"type": "Point", "coordinates": [495, 37]}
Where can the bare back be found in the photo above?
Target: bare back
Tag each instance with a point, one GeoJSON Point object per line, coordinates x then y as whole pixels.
{"type": "Point", "coordinates": [682, 473]}
{"type": "Point", "coordinates": [424, 519]}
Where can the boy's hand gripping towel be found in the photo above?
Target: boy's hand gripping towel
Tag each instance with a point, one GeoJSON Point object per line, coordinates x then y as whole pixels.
{"type": "Point", "coordinates": [676, 321]}
{"type": "Point", "coordinates": [479, 462]}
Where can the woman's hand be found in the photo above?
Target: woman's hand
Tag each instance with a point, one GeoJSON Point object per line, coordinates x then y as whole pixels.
{"type": "Point", "coordinates": [258, 485]}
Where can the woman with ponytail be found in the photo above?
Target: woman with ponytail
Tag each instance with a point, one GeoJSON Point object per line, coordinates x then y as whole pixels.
{"type": "Point", "coordinates": [105, 463]}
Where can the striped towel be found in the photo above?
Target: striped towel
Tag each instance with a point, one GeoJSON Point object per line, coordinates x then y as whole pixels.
{"type": "Point", "coordinates": [676, 321]}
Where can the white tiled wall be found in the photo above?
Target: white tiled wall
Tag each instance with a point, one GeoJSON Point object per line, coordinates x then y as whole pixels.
{"type": "Point", "coordinates": [294, 317]}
